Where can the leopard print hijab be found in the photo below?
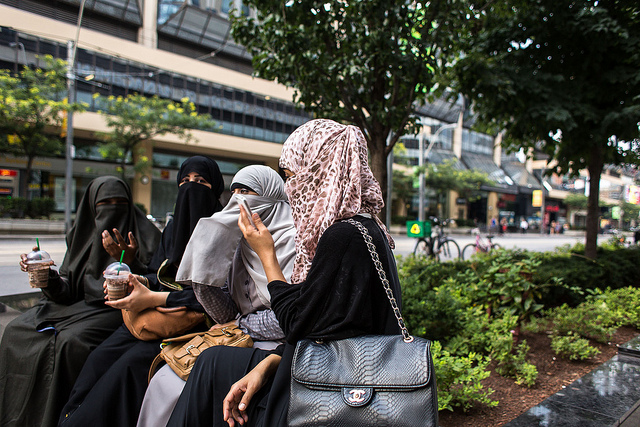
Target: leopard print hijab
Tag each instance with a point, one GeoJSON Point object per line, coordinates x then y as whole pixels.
{"type": "Point", "coordinates": [331, 181]}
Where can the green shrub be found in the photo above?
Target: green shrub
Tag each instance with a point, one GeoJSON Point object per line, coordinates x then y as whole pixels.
{"type": "Point", "coordinates": [504, 283]}
{"type": "Point", "coordinates": [17, 207]}
{"type": "Point", "coordinates": [573, 347]}
{"type": "Point", "coordinates": [437, 315]}
{"type": "Point", "coordinates": [514, 364]}
{"type": "Point", "coordinates": [623, 306]}
{"type": "Point", "coordinates": [459, 379]}
{"type": "Point", "coordinates": [613, 268]}
{"type": "Point", "coordinates": [5, 206]}
{"type": "Point", "coordinates": [535, 325]}
{"type": "Point", "coordinates": [590, 319]}
{"type": "Point", "coordinates": [484, 335]}
{"type": "Point", "coordinates": [39, 207]}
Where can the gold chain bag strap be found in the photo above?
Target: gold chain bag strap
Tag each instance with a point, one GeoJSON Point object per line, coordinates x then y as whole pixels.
{"type": "Point", "coordinates": [180, 353]}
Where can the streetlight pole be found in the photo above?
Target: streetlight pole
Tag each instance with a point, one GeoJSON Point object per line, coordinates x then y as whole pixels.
{"type": "Point", "coordinates": [72, 48]}
{"type": "Point", "coordinates": [425, 155]}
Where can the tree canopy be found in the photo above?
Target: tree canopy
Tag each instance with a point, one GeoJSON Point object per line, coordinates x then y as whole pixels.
{"type": "Point", "coordinates": [366, 62]}
{"type": "Point", "coordinates": [32, 107]}
{"type": "Point", "coordinates": [446, 176]}
{"type": "Point", "coordinates": [562, 76]}
{"type": "Point", "coordinates": [136, 118]}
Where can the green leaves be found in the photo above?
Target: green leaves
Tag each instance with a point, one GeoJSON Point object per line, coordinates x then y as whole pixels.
{"type": "Point", "coordinates": [136, 118]}
{"type": "Point", "coordinates": [364, 62]}
{"type": "Point", "coordinates": [30, 103]}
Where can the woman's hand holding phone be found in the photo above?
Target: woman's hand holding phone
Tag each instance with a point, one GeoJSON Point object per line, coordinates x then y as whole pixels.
{"type": "Point", "coordinates": [242, 201]}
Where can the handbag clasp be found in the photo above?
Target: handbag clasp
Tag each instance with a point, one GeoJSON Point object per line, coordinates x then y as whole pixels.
{"type": "Point", "coordinates": [356, 397]}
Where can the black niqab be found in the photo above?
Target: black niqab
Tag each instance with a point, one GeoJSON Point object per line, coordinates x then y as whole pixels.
{"type": "Point", "coordinates": [194, 201]}
{"type": "Point", "coordinates": [86, 258]}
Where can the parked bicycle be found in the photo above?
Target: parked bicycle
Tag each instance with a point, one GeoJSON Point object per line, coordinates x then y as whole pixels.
{"type": "Point", "coordinates": [438, 245]}
{"type": "Point", "coordinates": [485, 245]}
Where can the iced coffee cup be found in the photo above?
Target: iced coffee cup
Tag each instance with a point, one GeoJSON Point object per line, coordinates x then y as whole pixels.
{"type": "Point", "coordinates": [38, 264]}
{"type": "Point", "coordinates": [116, 276]}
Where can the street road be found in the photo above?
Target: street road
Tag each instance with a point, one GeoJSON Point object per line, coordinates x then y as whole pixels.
{"type": "Point", "coordinates": [14, 281]}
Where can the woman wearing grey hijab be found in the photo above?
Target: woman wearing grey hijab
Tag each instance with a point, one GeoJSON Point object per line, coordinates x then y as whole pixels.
{"type": "Point", "coordinates": [227, 275]}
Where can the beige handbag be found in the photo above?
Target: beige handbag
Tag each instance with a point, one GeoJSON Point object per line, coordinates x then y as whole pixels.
{"type": "Point", "coordinates": [180, 353]}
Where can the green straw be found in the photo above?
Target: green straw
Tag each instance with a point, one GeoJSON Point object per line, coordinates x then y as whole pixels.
{"type": "Point", "coordinates": [38, 243]}
{"type": "Point", "coordinates": [119, 265]}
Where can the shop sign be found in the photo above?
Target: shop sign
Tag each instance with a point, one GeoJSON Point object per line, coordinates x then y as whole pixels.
{"type": "Point", "coordinates": [537, 199]}
{"type": "Point", "coordinates": [8, 172]}
{"type": "Point", "coordinates": [461, 201]}
{"type": "Point", "coordinates": [633, 195]}
{"type": "Point", "coordinates": [615, 212]}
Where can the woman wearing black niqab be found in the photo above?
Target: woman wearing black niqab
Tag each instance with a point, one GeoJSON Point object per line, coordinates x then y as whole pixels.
{"type": "Point", "coordinates": [110, 389]}
{"type": "Point", "coordinates": [43, 350]}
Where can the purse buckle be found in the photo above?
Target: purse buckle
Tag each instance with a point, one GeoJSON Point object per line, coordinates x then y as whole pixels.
{"type": "Point", "coordinates": [188, 349]}
{"type": "Point", "coordinates": [357, 396]}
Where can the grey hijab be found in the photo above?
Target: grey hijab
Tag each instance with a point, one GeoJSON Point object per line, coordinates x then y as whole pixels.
{"type": "Point", "coordinates": [217, 254]}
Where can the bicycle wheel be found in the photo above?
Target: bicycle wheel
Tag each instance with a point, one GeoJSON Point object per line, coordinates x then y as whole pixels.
{"type": "Point", "coordinates": [495, 246]}
{"type": "Point", "coordinates": [448, 250]}
{"type": "Point", "coordinates": [469, 250]}
{"type": "Point", "coordinates": [421, 248]}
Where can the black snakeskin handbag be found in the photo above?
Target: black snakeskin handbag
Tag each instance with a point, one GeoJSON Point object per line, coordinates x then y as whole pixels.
{"type": "Point", "coordinates": [371, 380]}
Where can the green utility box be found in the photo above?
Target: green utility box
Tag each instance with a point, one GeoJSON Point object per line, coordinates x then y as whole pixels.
{"type": "Point", "coordinates": [419, 229]}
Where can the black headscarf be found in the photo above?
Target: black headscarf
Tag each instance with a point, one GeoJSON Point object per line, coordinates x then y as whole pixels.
{"type": "Point", "coordinates": [194, 201]}
{"type": "Point", "coordinates": [86, 258]}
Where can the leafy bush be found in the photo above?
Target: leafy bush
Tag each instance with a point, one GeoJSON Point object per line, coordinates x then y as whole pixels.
{"type": "Point", "coordinates": [16, 206]}
{"type": "Point", "coordinates": [504, 283]}
{"type": "Point", "coordinates": [590, 319]}
{"type": "Point", "coordinates": [431, 304]}
{"type": "Point", "coordinates": [473, 307]}
{"type": "Point", "coordinates": [5, 205]}
{"type": "Point", "coordinates": [514, 364]}
{"type": "Point", "coordinates": [39, 207]}
{"type": "Point", "coordinates": [535, 325]}
{"type": "Point", "coordinates": [623, 306]}
{"type": "Point", "coordinates": [573, 347]}
{"type": "Point", "coordinates": [459, 379]}
{"type": "Point", "coordinates": [615, 268]}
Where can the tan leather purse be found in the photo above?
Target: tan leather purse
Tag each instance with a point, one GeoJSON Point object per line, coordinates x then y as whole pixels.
{"type": "Point", "coordinates": [161, 322]}
{"type": "Point", "coordinates": [180, 353]}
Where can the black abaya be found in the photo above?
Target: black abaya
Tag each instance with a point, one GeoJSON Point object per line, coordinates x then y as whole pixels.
{"type": "Point", "coordinates": [43, 350]}
{"type": "Point", "coordinates": [111, 386]}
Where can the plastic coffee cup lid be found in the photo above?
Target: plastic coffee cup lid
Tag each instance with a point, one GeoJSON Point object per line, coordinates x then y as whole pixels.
{"type": "Point", "coordinates": [38, 257]}
{"type": "Point", "coordinates": [116, 270]}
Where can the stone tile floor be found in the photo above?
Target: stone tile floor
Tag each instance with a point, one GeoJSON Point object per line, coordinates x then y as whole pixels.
{"type": "Point", "coordinates": [608, 396]}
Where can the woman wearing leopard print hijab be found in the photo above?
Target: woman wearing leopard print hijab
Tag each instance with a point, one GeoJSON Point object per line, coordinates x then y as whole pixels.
{"type": "Point", "coordinates": [335, 292]}
{"type": "Point", "coordinates": [331, 180]}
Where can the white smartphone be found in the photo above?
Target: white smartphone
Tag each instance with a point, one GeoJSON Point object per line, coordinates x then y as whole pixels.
{"type": "Point", "coordinates": [243, 202]}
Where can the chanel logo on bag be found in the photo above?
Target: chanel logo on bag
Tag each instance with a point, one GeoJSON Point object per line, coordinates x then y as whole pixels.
{"type": "Point", "coordinates": [356, 396]}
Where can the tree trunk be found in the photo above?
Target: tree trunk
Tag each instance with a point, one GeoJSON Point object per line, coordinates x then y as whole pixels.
{"type": "Point", "coordinates": [123, 164]}
{"type": "Point", "coordinates": [26, 179]}
{"type": "Point", "coordinates": [378, 164]}
{"type": "Point", "coordinates": [593, 208]}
